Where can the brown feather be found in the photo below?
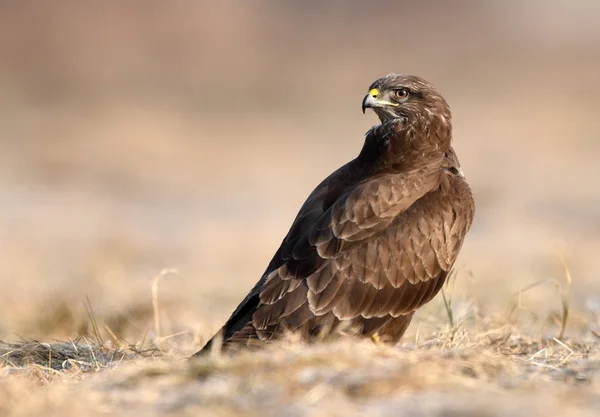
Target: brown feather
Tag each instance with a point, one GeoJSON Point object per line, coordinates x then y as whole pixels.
{"type": "Point", "coordinates": [373, 325]}
{"type": "Point", "coordinates": [379, 305]}
{"type": "Point", "coordinates": [270, 314]}
{"type": "Point", "coordinates": [321, 301]}
{"type": "Point", "coordinates": [394, 329]}
{"type": "Point", "coordinates": [275, 288]}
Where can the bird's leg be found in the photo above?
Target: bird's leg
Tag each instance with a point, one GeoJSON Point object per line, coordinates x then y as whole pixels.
{"type": "Point", "coordinates": [376, 339]}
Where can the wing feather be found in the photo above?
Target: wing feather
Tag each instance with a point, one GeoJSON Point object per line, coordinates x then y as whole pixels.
{"type": "Point", "coordinates": [270, 314]}
{"type": "Point", "coordinates": [323, 302]}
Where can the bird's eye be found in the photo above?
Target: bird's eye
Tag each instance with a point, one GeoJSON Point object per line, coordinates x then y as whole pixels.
{"type": "Point", "coordinates": [401, 93]}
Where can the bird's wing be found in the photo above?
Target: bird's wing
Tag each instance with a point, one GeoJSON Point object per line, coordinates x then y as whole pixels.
{"type": "Point", "coordinates": [400, 269]}
{"type": "Point", "coordinates": [328, 245]}
{"type": "Point", "coordinates": [392, 273]}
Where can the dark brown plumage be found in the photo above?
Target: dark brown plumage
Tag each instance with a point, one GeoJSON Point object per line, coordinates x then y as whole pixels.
{"type": "Point", "coordinates": [376, 239]}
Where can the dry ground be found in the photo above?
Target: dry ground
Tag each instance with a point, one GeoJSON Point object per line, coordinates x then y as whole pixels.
{"type": "Point", "coordinates": [457, 359]}
{"type": "Point", "coordinates": [187, 134]}
{"type": "Point", "coordinates": [479, 368]}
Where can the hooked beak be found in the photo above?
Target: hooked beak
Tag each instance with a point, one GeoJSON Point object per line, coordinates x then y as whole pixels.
{"type": "Point", "coordinates": [372, 100]}
{"type": "Point", "coordinates": [368, 101]}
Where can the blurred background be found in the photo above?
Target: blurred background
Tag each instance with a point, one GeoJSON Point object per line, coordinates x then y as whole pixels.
{"type": "Point", "coordinates": [141, 136]}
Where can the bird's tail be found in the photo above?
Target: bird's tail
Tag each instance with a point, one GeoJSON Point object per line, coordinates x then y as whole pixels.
{"type": "Point", "coordinates": [214, 344]}
{"type": "Point", "coordinates": [238, 330]}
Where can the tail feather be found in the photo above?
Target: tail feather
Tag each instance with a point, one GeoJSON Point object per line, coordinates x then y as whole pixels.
{"type": "Point", "coordinates": [238, 325]}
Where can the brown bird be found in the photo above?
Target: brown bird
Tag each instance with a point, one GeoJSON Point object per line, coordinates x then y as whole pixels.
{"type": "Point", "coordinates": [376, 239]}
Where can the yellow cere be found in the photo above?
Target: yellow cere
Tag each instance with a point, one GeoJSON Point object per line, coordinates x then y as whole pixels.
{"type": "Point", "coordinates": [374, 92]}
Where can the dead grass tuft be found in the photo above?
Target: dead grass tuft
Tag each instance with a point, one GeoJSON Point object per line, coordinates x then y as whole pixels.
{"type": "Point", "coordinates": [60, 356]}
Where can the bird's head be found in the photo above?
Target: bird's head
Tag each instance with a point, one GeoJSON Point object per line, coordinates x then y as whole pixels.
{"type": "Point", "coordinates": [406, 97]}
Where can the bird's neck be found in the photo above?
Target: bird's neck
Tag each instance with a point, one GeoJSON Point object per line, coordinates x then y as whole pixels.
{"type": "Point", "coordinates": [404, 146]}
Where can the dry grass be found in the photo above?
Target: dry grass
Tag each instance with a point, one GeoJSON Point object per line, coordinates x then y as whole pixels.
{"type": "Point", "coordinates": [481, 366]}
{"type": "Point", "coordinates": [58, 356]}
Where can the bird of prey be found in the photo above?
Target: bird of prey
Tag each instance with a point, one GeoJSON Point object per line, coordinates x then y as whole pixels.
{"type": "Point", "coordinates": [376, 239]}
